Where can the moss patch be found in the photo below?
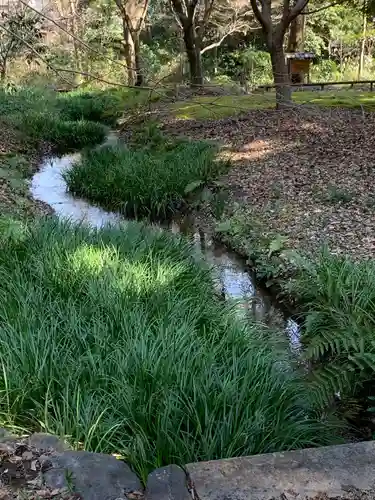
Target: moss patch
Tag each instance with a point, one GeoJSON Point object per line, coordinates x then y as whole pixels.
{"type": "Point", "coordinates": [219, 107]}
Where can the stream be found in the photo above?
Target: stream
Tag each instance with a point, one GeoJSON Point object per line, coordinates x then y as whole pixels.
{"type": "Point", "coordinates": [232, 277]}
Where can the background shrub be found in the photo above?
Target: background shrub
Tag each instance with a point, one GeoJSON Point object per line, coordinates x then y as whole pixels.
{"type": "Point", "coordinates": [104, 107]}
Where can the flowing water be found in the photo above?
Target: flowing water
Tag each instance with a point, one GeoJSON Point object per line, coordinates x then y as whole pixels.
{"type": "Point", "coordinates": [232, 276]}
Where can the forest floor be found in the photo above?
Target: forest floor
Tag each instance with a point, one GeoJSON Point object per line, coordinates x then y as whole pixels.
{"type": "Point", "coordinates": [306, 174]}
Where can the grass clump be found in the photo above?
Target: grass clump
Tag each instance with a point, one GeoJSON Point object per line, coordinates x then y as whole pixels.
{"type": "Point", "coordinates": [103, 107]}
{"type": "Point", "coordinates": [337, 295]}
{"type": "Point", "coordinates": [335, 194]}
{"type": "Point", "coordinates": [62, 134]}
{"type": "Point", "coordinates": [38, 115]}
{"type": "Point", "coordinates": [143, 182]}
{"type": "Point", "coordinates": [115, 339]}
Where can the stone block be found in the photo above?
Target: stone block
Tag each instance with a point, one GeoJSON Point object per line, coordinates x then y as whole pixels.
{"type": "Point", "coordinates": [94, 476]}
{"type": "Point", "coordinates": [332, 471]}
{"type": "Point", "coordinates": [167, 483]}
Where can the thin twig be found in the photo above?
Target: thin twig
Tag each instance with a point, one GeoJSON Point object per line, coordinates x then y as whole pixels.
{"type": "Point", "coordinates": [79, 40]}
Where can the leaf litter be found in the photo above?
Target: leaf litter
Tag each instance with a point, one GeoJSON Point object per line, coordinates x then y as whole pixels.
{"type": "Point", "coordinates": [21, 468]}
{"type": "Point", "coordinates": [307, 173]}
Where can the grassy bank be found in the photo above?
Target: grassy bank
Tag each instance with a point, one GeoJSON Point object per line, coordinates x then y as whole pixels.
{"type": "Point", "coordinates": [116, 339]}
{"type": "Point", "coordinates": [34, 120]}
{"type": "Point", "coordinates": [144, 182]}
{"type": "Point", "coordinates": [333, 296]}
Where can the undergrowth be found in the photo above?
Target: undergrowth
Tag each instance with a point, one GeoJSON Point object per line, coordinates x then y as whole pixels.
{"type": "Point", "coordinates": [144, 182]}
{"type": "Point", "coordinates": [67, 121]}
{"type": "Point", "coordinates": [337, 297]}
{"type": "Point", "coordinates": [115, 339]}
{"type": "Point", "coordinates": [268, 251]}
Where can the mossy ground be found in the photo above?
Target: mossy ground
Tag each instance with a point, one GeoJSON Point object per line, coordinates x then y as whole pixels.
{"type": "Point", "coordinates": [201, 108]}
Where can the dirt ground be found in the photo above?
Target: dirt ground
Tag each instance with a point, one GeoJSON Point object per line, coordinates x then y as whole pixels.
{"type": "Point", "coordinates": [307, 174]}
{"type": "Point", "coordinates": [21, 468]}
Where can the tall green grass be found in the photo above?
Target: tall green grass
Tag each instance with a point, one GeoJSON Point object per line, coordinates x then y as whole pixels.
{"type": "Point", "coordinates": [115, 339]}
{"type": "Point", "coordinates": [104, 106]}
{"type": "Point", "coordinates": [66, 120]}
{"type": "Point", "coordinates": [143, 182]}
{"type": "Point", "coordinates": [337, 296]}
{"type": "Point", "coordinates": [64, 135]}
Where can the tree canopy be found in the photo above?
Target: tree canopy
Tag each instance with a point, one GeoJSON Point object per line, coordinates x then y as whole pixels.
{"type": "Point", "coordinates": [142, 42]}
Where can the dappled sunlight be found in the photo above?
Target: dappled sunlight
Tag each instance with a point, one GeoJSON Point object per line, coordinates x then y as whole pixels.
{"type": "Point", "coordinates": [91, 260]}
{"type": "Point", "coordinates": [143, 276]}
{"type": "Point", "coordinates": [256, 150]}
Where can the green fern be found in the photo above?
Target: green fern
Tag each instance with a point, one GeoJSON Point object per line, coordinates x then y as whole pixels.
{"type": "Point", "coordinates": [338, 297]}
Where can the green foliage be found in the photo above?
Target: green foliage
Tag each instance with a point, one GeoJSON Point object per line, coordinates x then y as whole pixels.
{"type": "Point", "coordinates": [257, 65]}
{"type": "Point", "coordinates": [338, 299]}
{"type": "Point", "coordinates": [104, 106]}
{"type": "Point", "coordinates": [94, 106]}
{"type": "Point", "coordinates": [62, 134]}
{"type": "Point", "coordinates": [277, 244]}
{"type": "Point", "coordinates": [244, 231]}
{"type": "Point", "coordinates": [116, 340]}
{"type": "Point", "coordinates": [41, 117]}
{"type": "Point", "coordinates": [325, 71]}
{"type": "Point", "coordinates": [336, 194]}
{"type": "Point", "coordinates": [143, 182]}
{"type": "Point", "coordinates": [20, 34]}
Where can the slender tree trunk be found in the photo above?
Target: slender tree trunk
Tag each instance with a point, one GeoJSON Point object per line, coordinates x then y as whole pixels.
{"type": "Point", "coordinates": [215, 58]}
{"type": "Point", "coordinates": [139, 80]}
{"type": "Point", "coordinates": [132, 57]}
{"type": "Point", "coordinates": [296, 34]}
{"type": "Point", "coordinates": [73, 28]}
{"type": "Point", "coordinates": [281, 77]}
{"type": "Point", "coordinates": [193, 55]}
{"type": "Point", "coordinates": [363, 43]}
{"type": "Point", "coordinates": [3, 71]}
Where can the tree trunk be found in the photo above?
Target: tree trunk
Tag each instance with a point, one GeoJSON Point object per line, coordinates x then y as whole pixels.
{"type": "Point", "coordinates": [74, 31]}
{"type": "Point", "coordinates": [138, 68]}
{"type": "Point", "coordinates": [3, 71]}
{"type": "Point", "coordinates": [281, 77]}
{"type": "Point", "coordinates": [193, 55]}
{"type": "Point", "coordinates": [296, 34]}
{"type": "Point", "coordinates": [132, 57]}
{"type": "Point", "coordinates": [363, 43]}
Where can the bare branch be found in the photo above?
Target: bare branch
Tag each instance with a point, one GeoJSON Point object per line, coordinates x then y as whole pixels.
{"type": "Point", "coordinates": [218, 43]}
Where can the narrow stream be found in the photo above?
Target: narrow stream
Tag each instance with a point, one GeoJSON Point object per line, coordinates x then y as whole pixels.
{"type": "Point", "coordinates": [232, 276]}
